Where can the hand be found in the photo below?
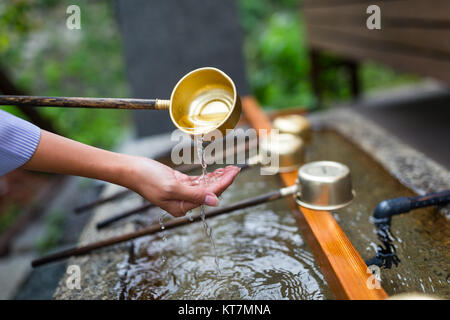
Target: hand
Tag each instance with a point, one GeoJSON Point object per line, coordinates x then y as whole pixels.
{"type": "Point", "coordinates": [169, 189]}
{"type": "Point", "coordinates": [175, 192]}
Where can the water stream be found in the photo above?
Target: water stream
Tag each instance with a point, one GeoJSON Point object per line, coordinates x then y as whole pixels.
{"type": "Point", "coordinates": [203, 179]}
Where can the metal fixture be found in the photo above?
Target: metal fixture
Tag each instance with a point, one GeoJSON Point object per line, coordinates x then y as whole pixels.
{"type": "Point", "coordinates": [324, 185]}
{"type": "Point", "coordinates": [288, 148]}
{"type": "Point", "coordinates": [386, 254]}
{"type": "Point", "coordinates": [294, 124]}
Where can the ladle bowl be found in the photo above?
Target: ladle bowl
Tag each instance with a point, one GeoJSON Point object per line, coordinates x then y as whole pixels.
{"type": "Point", "coordinates": [324, 185]}
{"type": "Point", "coordinates": [294, 124]}
{"type": "Point", "coordinates": [288, 148]}
{"type": "Point", "coordinates": [205, 100]}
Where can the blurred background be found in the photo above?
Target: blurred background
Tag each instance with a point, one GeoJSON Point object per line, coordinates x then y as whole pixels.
{"type": "Point", "coordinates": [140, 49]}
{"type": "Point", "coordinates": [40, 57]}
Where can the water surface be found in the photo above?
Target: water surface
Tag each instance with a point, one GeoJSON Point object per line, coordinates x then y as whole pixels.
{"type": "Point", "coordinates": [262, 254]}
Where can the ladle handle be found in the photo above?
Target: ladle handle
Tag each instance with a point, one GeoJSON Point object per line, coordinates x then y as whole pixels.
{"type": "Point", "coordinates": [91, 205]}
{"type": "Point", "coordinates": [123, 215]}
{"type": "Point", "coordinates": [78, 102]}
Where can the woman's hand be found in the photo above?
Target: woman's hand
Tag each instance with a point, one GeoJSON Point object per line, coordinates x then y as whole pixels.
{"type": "Point", "coordinates": [174, 191]}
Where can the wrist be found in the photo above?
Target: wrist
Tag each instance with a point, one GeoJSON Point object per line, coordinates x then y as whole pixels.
{"type": "Point", "coordinates": [120, 170]}
{"type": "Point", "coordinates": [127, 172]}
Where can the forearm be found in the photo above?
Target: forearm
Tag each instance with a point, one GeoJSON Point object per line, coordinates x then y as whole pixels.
{"type": "Point", "coordinates": [57, 154]}
{"type": "Point", "coordinates": [169, 189]}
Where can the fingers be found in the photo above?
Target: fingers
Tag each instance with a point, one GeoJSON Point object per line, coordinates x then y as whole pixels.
{"type": "Point", "coordinates": [187, 196]}
{"type": "Point", "coordinates": [179, 208]}
{"type": "Point", "coordinates": [198, 195]}
{"type": "Point", "coordinates": [219, 179]}
{"type": "Point", "coordinates": [224, 181]}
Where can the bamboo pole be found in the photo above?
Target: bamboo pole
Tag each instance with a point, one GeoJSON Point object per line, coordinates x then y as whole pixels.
{"type": "Point", "coordinates": [78, 102]}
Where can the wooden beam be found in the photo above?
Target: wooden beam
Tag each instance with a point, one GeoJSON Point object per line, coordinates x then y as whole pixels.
{"type": "Point", "coordinates": [413, 10]}
{"type": "Point", "coordinates": [426, 39]}
{"type": "Point", "coordinates": [414, 35]}
{"type": "Point", "coordinates": [342, 266]}
{"type": "Point", "coordinates": [350, 47]}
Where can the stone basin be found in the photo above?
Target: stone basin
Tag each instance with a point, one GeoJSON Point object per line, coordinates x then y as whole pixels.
{"type": "Point", "coordinates": [261, 251]}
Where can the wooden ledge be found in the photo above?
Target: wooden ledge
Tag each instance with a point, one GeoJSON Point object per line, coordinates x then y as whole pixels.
{"type": "Point", "coordinates": [342, 266]}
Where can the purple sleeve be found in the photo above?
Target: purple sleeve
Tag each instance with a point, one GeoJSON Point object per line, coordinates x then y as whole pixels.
{"type": "Point", "coordinates": [18, 141]}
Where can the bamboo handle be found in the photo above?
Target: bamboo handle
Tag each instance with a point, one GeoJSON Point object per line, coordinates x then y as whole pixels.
{"type": "Point", "coordinates": [91, 205]}
{"type": "Point", "coordinates": [77, 102]}
{"type": "Point", "coordinates": [104, 223]}
{"type": "Point", "coordinates": [77, 251]}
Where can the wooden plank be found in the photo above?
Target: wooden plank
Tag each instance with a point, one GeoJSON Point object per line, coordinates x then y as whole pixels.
{"type": "Point", "coordinates": [427, 33]}
{"type": "Point", "coordinates": [429, 10]}
{"type": "Point", "coordinates": [359, 49]}
{"type": "Point", "coordinates": [432, 41]}
{"type": "Point", "coordinates": [342, 266]}
{"type": "Point", "coordinates": [254, 114]}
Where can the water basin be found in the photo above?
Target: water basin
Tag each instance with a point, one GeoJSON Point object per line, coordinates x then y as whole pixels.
{"type": "Point", "coordinates": [262, 254]}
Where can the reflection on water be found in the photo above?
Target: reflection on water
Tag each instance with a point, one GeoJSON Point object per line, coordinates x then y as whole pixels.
{"type": "Point", "coordinates": [261, 252]}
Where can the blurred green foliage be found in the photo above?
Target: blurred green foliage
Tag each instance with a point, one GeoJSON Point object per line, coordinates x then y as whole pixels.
{"type": "Point", "coordinates": [8, 216]}
{"type": "Point", "coordinates": [45, 58]}
{"type": "Point", "coordinates": [276, 55]}
{"type": "Point", "coordinates": [278, 64]}
{"type": "Point", "coordinates": [14, 22]}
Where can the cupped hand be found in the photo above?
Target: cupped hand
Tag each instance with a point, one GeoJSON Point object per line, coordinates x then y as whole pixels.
{"type": "Point", "coordinates": [176, 192]}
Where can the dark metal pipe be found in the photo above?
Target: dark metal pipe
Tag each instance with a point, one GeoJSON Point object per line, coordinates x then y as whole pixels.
{"type": "Point", "coordinates": [388, 208]}
{"type": "Point", "coordinates": [386, 254]}
{"type": "Point", "coordinates": [104, 223]}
